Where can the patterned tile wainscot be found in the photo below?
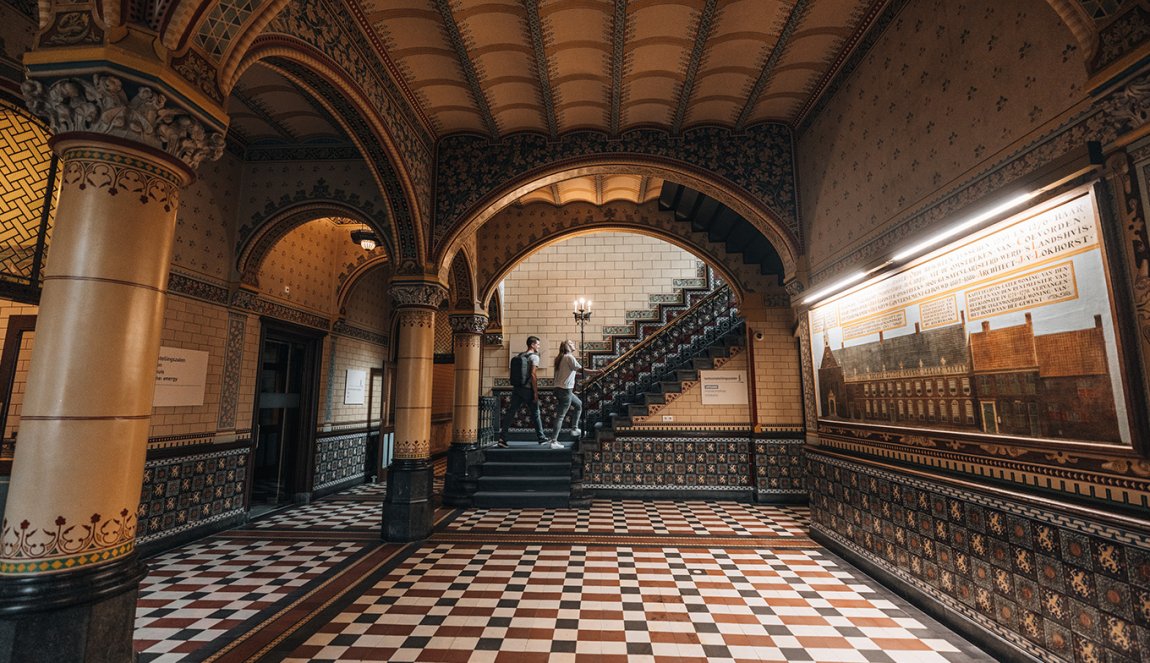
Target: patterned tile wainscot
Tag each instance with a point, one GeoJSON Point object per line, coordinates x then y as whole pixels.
{"type": "Point", "coordinates": [779, 469]}
{"type": "Point", "coordinates": [670, 463]}
{"type": "Point", "coordinates": [340, 460]}
{"type": "Point", "coordinates": [1054, 584]}
{"type": "Point", "coordinates": [189, 492]}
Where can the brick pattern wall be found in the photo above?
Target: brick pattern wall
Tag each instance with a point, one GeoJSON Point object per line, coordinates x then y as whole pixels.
{"type": "Point", "coordinates": [777, 377]}
{"type": "Point", "coordinates": [687, 409]}
{"type": "Point", "coordinates": [1059, 586]}
{"type": "Point", "coordinates": [191, 324]}
{"type": "Point", "coordinates": [617, 271]}
{"type": "Point", "coordinates": [348, 353]}
{"type": "Point", "coordinates": [185, 492]}
{"type": "Point", "coordinates": [637, 462]}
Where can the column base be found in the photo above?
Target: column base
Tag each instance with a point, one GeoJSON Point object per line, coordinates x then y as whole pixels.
{"type": "Point", "coordinates": [86, 616]}
{"type": "Point", "coordinates": [407, 509]}
{"type": "Point", "coordinates": [461, 480]}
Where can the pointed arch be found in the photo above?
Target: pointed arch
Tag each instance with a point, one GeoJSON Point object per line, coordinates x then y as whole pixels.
{"type": "Point", "coordinates": [255, 248]}
{"type": "Point", "coordinates": [753, 211]}
{"type": "Point", "coordinates": [348, 280]}
{"type": "Point", "coordinates": [339, 94]}
{"type": "Point", "coordinates": [463, 294]}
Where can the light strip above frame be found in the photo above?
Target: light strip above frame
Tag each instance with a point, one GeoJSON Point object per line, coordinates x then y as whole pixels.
{"type": "Point", "coordinates": [917, 249]}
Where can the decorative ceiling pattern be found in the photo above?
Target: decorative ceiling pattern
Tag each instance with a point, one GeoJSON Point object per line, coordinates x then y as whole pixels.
{"type": "Point", "coordinates": [267, 109]}
{"type": "Point", "coordinates": [497, 67]}
{"type": "Point", "coordinates": [597, 190]}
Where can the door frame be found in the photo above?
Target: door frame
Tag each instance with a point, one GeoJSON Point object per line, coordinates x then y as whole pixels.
{"type": "Point", "coordinates": [312, 340]}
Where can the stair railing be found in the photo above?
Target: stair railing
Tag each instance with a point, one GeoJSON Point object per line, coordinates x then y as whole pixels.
{"type": "Point", "coordinates": [656, 357]}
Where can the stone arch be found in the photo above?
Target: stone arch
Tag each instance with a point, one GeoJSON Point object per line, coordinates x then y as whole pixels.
{"type": "Point", "coordinates": [730, 195]}
{"type": "Point", "coordinates": [463, 294]}
{"type": "Point", "coordinates": [367, 264]}
{"type": "Point", "coordinates": [273, 227]}
{"type": "Point", "coordinates": [490, 285]}
{"type": "Point", "coordinates": [518, 232]}
{"type": "Point", "coordinates": [334, 88]}
{"type": "Point", "coordinates": [1074, 16]}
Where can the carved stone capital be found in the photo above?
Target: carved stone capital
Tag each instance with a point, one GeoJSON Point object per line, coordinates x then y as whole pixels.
{"type": "Point", "coordinates": [472, 323]}
{"type": "Point", "coordinates": [103, 105]}
{"type": "Point", "coordinates": [422, 294]}
{"type": "Point", "coordinates": [1129, 106]}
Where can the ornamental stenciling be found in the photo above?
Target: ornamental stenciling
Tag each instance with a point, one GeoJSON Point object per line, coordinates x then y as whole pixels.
{"type": "Point", "coordinates": [102, 105]}
{"type": "Point", "coordinates": [117, 176]}
{"type": "Point", "coordinates": [25, 542]}
{"type": "Point", "coordinates": [468, 324]}
{"type": "Point", "coordinates": [416, 318]}
{"type": "Point", "coordinates": [418, 294]}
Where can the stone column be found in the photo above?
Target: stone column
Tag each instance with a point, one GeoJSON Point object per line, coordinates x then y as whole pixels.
{"type": "Point", "coordinates": [465, 454]}
{"type": "Point", "coordinates": [407, 509]}
{"type": "Point", "coordinates": [69, 571]}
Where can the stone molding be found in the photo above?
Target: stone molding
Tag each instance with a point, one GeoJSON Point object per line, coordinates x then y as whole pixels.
{"type": "Point", "coordinates": [428, 295]}
{"type": "Point", "coordinates": [102, 105]}
{"type": "Point", "coordinates": [468, 324]}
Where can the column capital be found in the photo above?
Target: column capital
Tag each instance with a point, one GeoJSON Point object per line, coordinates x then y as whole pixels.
{"type": "Point", "coordinates": [468, 323]}
{"type": "Point", "coordinates": [420, 294]}
{"type": "Point", "coordinates": [108, 106]}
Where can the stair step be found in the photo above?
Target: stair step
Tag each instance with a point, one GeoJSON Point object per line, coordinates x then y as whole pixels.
{"type": "Point", "coordinates": [536, 500]}
{"type": "Point", "coordinates": [524, 484]}
{"type": "Point", "coordinates": [533, 454]}
{"type": "Point", "coordinates": [500, 469]}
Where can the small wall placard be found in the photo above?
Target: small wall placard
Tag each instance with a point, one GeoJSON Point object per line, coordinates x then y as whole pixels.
{"type": "Point", "coordinates": [356, 387]}
{"type": "Point", "coordinates": [180, 377]}
{"type": "Point", "coordinates": [723, 387]}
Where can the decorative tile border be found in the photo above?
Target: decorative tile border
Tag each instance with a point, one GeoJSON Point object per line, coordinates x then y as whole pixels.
{"type": "Point", "coordinates": [669, 463]}
{"type": "Point", "coordinates": [779, 467]}
{"type": "Point", "coordinates": [184, 492]}
{"type": "Point", "coordinates": [1058, 586]}
{"type": "Point", "coordinates": [339, 459]}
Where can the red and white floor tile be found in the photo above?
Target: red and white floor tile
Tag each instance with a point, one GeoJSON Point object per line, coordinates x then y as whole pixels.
{"type": "Point", "coordinates": [619, 581]}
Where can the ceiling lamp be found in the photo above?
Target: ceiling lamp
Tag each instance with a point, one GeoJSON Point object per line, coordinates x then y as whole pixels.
{"type": "Point", "coordinates": [365, 238]}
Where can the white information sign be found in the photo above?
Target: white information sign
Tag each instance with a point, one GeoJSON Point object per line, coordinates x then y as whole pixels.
{"type": "Point", "coordinates": [180, 377]}
{"type": "Point", "coordinates": [356, 387]}
{"type": "Point", "coordinates": [724, 387]}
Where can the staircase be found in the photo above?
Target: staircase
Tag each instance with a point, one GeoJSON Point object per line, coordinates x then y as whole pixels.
{"type": "Point", "coordinates": [663, 309]}
{"type": "Point", "coordinates": [645, 408]}
{"type": "Point", "coordinates": [668, 356]}
{"type": "Point", "coordinates": [524, 475]}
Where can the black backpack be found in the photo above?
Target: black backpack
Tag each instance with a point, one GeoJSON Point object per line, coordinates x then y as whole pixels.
{"type": "Point", "coordinates": [521, 369]}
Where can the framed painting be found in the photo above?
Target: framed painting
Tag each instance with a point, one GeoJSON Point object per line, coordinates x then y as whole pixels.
{"type": "Point", "coordinates": [1008, 331]}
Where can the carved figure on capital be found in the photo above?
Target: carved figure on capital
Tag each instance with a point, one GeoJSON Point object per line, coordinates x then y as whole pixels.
{"type": "Point", "coordinates": [471, 323]}
{"type": "Point", "coordinates": [428, 295]}
{"type": "Point", "coordinates": [102, 105]}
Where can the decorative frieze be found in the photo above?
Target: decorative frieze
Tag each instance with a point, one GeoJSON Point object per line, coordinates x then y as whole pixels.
{"type": "Point", "coordinates": [102, 105]}
{"type": "Point", "coordinates": [342, 328]}
{"type": "Point", "coordinates": [428, 295]}
{"type": "Point", "coordinates": [468, 324]}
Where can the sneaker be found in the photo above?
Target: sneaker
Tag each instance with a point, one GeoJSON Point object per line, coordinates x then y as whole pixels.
{"type": "Point", "coordinates": [502, 444]}
{"type": "Point", "coordinates": [577, 433]}
{"type": "Point", "coordinates": [544, 442]}
{"type": "Point", "coordinates": [555, 445]}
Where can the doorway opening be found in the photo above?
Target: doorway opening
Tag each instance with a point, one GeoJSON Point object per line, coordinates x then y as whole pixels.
{"type": "Point", "coordinates": [284, 418]}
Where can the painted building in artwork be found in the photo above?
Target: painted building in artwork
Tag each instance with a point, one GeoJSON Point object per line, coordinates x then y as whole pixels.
{"type": "Point", "coordinates": [1007, 381]}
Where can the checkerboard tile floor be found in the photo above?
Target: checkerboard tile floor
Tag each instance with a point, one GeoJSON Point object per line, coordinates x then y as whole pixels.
{"type": "Point", "coordinates": [325, 515]}
{"type": "Point", "coordinates": [637, 517]}
{"type": "Point", "coordinates": [534, 603]}
{"type": "Point", "coordinates": [196, 594]}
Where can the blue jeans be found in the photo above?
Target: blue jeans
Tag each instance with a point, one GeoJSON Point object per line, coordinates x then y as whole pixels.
{"type": "Point", "coordinates": [520, 397]}
{"type": "Point", "coordinates": [564, 399]}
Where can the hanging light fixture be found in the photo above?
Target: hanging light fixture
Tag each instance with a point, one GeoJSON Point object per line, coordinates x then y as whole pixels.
{"type": "Point", "coordinates": [365, 238]}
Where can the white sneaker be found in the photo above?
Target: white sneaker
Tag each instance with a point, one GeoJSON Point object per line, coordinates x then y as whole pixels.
{"type": "Point", "coordinates": [577, 433]}
{"type": "Point", "coordinates": [555, 445]}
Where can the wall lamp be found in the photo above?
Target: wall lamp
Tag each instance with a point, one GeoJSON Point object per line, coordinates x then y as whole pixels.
{"type": "Point", "coordinates": [365, 238]}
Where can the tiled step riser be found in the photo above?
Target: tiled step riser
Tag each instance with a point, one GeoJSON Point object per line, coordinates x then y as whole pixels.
{"type": "Point", "coordinates": [523, 456]}
{"type": "Point", "coordinates": [522, 501]}
{"type": "Point", "coordinates": [524, 484]}
{"type": "Point", "coordinates": [527, 469]}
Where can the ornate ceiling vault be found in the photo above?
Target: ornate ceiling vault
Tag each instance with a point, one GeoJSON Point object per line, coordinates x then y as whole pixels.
{"type": "Point", "coordinates": [498, 67]}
